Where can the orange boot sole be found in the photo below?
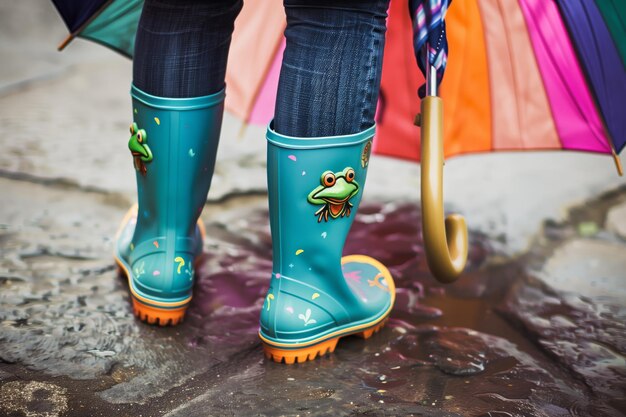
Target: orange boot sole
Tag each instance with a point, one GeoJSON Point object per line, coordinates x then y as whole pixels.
{"type": "Point", "coordinates": [154, 315]}
{"type": "Point", "coordinates": [150, 314]}
{"type": "Point", "coordinates": [160, 316]}
{"type": "Point", "coordinates": [291, 356]}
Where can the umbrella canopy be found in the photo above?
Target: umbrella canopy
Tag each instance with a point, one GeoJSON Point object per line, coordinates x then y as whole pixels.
{"type": "Point", "coordinates": [112, 23]}
{"type": "Point", "coordinates": [256, 53]}
{"type": "Point", "coordinates": [522, 75]}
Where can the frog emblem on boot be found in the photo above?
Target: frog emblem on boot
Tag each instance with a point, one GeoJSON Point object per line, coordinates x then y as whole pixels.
{"type": "Point", "coordinates": [334, 194]}
{"type": "Point", "coordinates": [138, 145]}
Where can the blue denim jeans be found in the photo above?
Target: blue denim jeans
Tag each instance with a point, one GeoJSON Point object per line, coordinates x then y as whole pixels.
{"type": "Point", "coordinates": [181, 46]}
{"type": "Point", "coordinates": [331, 69]}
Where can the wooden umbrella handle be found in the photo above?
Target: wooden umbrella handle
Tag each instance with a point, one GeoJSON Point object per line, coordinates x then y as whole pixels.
{"type": "Point", "coordinates": [445, 242]}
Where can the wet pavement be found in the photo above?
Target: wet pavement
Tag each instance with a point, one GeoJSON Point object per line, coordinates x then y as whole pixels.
{"type": "Point", "coordinates": [500, 341]}
{"type": "Point", "coordinates": [534, 327]}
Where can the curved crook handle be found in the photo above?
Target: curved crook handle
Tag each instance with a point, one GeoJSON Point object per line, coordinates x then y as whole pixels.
{"type": "Point", "coordinates": [446, 243]}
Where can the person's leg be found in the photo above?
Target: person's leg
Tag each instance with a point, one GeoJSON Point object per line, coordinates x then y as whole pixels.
{"type": "Point", "coordinates": [182, 46]}
{"type": "Point", "coordinates": [180, 62]}
{"type": "Point", "coordinates": [318, 152]}
{"type": "Point", "coordinates": [332, 67]}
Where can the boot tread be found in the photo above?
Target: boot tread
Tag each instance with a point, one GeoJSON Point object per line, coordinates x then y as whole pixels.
{"type": "Point", "coordinates": [309, 353]}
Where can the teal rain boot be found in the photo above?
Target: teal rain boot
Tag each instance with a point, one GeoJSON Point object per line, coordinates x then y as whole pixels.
{"type": "Point", "coordinates": [173, 143]}
{"type": "Point", "coordinates": [316, 296]}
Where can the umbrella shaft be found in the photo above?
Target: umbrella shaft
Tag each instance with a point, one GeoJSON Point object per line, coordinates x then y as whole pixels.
{"type": "Point", "coordinates": [431, 75]}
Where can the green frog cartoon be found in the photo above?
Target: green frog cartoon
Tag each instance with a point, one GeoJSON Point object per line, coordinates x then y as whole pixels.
{"type": "Point", "coordinates": [138, 145]}
{"type": "Point", "coordinates": [334, 194]}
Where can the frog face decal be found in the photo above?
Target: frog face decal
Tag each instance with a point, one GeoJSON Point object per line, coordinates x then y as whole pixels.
{"type": "Point", "coordinates": [138, 145]}
{"type": "Point", "coordinates": [334, 194]}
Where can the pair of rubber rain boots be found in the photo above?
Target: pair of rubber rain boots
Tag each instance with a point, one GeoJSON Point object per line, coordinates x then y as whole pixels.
{"type": "Point", "coordinates": [316, 296]}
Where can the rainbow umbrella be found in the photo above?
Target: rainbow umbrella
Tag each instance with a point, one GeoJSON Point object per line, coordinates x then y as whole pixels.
{"type": "Point", "coordinates": [522, 75]}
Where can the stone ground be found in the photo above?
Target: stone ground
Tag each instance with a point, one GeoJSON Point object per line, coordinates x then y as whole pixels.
{"type": "Point", "coordinates": [535, 327]}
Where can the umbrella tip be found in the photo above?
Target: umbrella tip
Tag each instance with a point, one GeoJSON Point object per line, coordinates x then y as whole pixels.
{"type": "Point", "coordinates": [65, 42]}
{"type": "Point", "coordinates": [618, 163]}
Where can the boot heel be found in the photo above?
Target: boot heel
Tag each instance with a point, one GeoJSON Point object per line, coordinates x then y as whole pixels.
{"type": "Point", "coordinates": [159, 316]}
{"type": "Point", "coordinates": [366, 334]}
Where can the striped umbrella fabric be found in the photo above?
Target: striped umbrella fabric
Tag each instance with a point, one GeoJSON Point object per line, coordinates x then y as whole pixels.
{"type": "Point", "coordinates": [614, 15]}
{"type": "Point", "coordinates": [601, 62]}
{"type": "Point", "coordinates": [521, 75]}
